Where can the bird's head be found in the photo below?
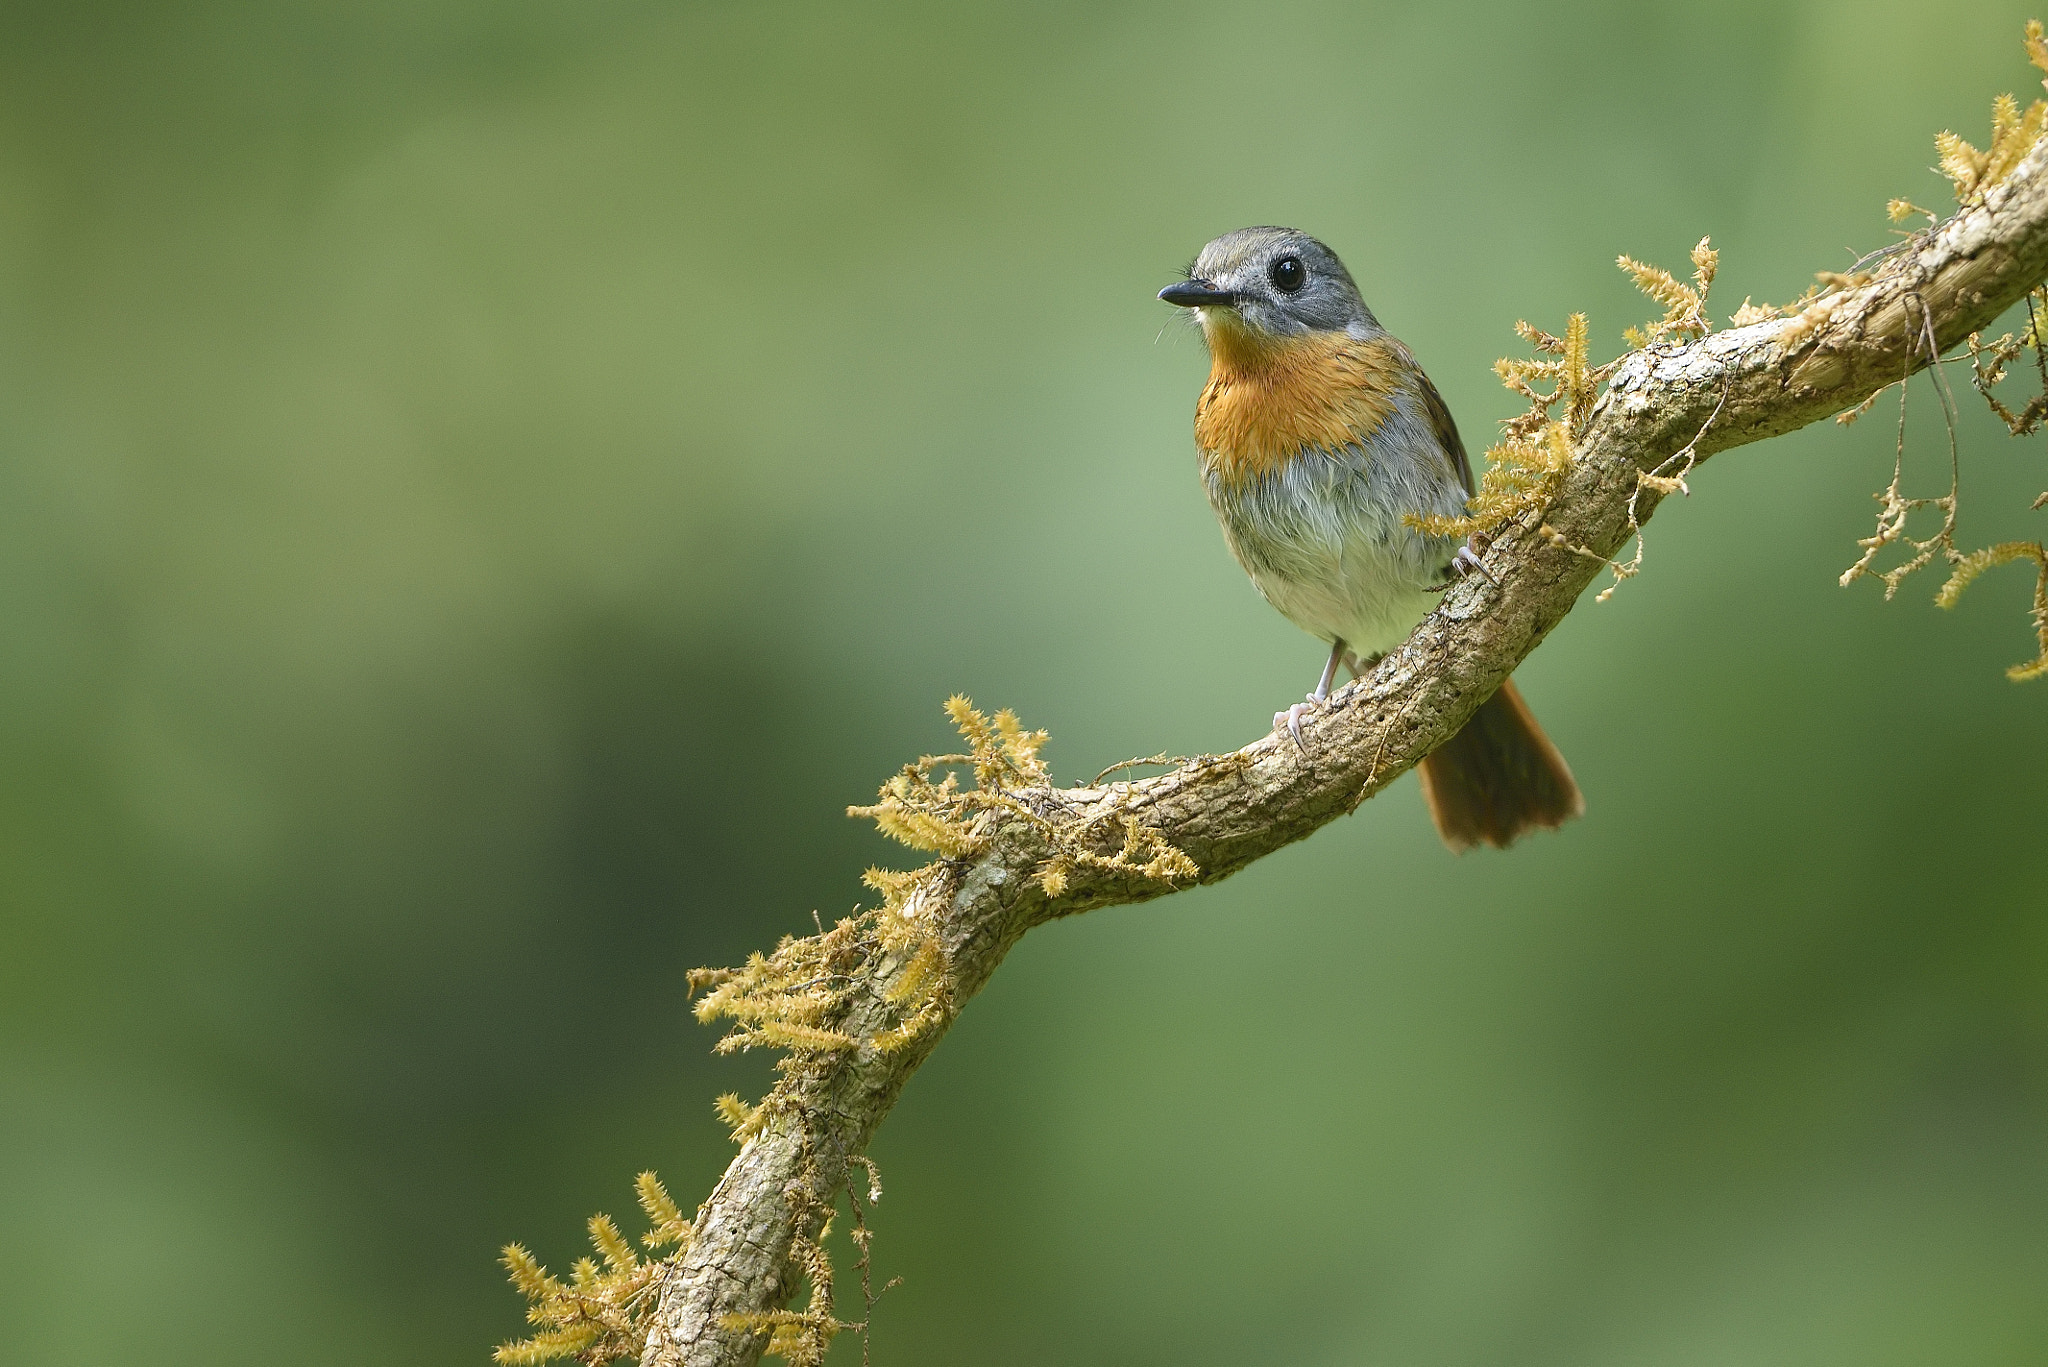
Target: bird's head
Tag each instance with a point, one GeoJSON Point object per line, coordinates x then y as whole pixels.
{"type": "Point", "coordinates": [1257, 289]}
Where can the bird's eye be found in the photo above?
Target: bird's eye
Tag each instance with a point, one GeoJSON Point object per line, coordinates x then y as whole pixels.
{"type": "Point", "coordinates": [1289, 274]}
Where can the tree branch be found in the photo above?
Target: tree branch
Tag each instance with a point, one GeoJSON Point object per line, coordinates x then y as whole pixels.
{"type": "Point", "coordinates": [1223, 812]}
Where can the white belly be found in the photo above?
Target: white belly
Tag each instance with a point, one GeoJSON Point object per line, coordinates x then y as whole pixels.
{"type": "Point", "coordinates": [1323, 541]}
{"type": "Point", "coordinates": [1371, 605]}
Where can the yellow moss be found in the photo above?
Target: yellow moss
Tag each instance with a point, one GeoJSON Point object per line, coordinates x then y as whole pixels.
{"type": "Point", "coordinates": [669, 1226]}
{"type": "Point", "coordinates": [1526, 469]}
{"type": "Point", "coordinates": [802, 1337]}
{"type": "Point", "coordinates": [738, 1116]}
{"type": "Point", "coordinates": [1685, 305]}
{"type": "Point", "coordinates": [1959, 161]}
{"type": "Point", "coordinates": [527, 1274]}
{"type": "Point", "coordinates": [601, 1313]}
{"type": "Point", "coordinates": [1575, 383]}
{"type": "Point", "coordinates": [1706, 263]}
{"type": "Point", "coordinates": [925, 807]}
{"type": "Point", "coordinates": [549, 1344]}
{"type": "Point", "coordinates": [912, 811]}
{"type": "Point", "coordinates": [1754, 313]}
{"type": "Point", "coordinates": [1988, 362]}
{"type": "Point", "coordinates": [618, 1254]}
{"type": "Point", "coordinates": [923, 969]}
{"type": "Point", "coordinates": [1522, 474]}
{"type": "Point", "coordinates": [1021, 747]}
{"type": "Point", "coordinates": [789, 1035]}
{"type": "Point", "coordinates": [1965, 572]}
{"type": "Point", "coordinates": [913, 1025]}
{"type": "Point", "coordinates": [2013, 135]}
{"type": "Point", "coordinates": [893, 885]}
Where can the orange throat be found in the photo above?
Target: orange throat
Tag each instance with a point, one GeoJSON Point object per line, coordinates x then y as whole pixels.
{"type": "Point", "coordinates": [1271, 398]}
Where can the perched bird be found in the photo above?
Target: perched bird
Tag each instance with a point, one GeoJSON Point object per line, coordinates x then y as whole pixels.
{"type": "Point", "coordinates": [1318, 433]}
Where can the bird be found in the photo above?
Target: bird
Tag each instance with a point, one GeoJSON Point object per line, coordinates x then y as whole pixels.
{"type": "Point", "coordinates": [1319, 435]}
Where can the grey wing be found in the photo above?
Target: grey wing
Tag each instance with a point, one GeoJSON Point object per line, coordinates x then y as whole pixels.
{"type": "Point", "coordinates": [1446, 429]}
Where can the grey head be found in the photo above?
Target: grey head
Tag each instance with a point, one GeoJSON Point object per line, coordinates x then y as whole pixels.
{"type": "Point", "coordinates": [1279, 281]}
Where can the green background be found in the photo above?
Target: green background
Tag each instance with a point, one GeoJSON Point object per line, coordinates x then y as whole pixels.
{"type": "Point", "coordinates": [482, 486]}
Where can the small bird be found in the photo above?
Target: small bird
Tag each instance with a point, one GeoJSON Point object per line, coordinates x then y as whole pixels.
{"type": "Point", "coordinates": [1318, 433]}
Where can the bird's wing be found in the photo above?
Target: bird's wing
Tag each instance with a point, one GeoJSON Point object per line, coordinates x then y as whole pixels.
{"type": "Point", "coordinates": [1446, 430]}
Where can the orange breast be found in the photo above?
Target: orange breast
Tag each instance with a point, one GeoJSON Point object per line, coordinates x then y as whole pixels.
{"type": "Point", "coordinates": [1268, 402]}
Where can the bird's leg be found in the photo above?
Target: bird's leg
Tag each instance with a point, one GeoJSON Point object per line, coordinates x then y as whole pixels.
{"type": "Point", "coordinates": [1291, 718]}
{"type": "Point", "coordinates": [1468, 561]}
{"type": "Point", "coordinates": [1337, 653]}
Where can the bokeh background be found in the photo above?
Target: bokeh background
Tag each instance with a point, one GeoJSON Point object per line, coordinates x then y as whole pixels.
{"type": "Point", "coordinates": [482, 487]}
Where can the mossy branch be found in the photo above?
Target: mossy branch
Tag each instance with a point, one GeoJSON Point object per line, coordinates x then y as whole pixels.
{"type": "Point", "coordinates": [858, 1008]}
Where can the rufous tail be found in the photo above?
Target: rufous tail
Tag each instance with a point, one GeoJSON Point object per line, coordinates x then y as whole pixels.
{"type": "Point", "coordinates": [1498, 778]}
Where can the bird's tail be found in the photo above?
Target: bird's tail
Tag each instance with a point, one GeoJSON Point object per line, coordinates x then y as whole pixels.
{"type": "Point", "coordinates": [1498, 778]}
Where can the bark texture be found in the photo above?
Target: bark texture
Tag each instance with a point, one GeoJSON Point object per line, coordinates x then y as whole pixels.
{"type": "Point", "coordinates": [1726, 390]}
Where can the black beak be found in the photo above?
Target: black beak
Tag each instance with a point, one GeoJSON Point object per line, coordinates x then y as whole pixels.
{"type": "Point", "coordinates": [1197, 293]}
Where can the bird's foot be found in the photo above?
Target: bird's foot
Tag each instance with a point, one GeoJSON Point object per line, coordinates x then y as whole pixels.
{"type": "Point", "coordinates": [1291, 719]}
{"type": "Point", "coordinates": [1466, 563]}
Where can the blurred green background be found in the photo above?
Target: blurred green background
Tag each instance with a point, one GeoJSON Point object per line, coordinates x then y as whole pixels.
{"type": "Point", "coordinates": [482, 486]}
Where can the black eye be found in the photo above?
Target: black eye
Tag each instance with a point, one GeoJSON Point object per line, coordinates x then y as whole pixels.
{"type": "Point", "coordinates": [1288, 274]}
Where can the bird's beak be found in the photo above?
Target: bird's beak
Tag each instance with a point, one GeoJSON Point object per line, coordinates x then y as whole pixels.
{"type": "Point", "coordinates": [1197, 293]}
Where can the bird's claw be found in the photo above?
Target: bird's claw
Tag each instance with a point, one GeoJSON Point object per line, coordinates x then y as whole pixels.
{"type": "Point", "coordinates": [1291, 720]}
{"type": "Point", "coordinates": [1466, 563]}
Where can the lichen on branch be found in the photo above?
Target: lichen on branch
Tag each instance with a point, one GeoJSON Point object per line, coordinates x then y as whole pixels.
{"type": "Point", "coordinates": [1973, 175]}
{"type": "Point", "coordinates": [601, 1313]}
{"type": "Point", "coordinates": [799, 999]}
{"type": "Point", "coordinates": [1525, 469]}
